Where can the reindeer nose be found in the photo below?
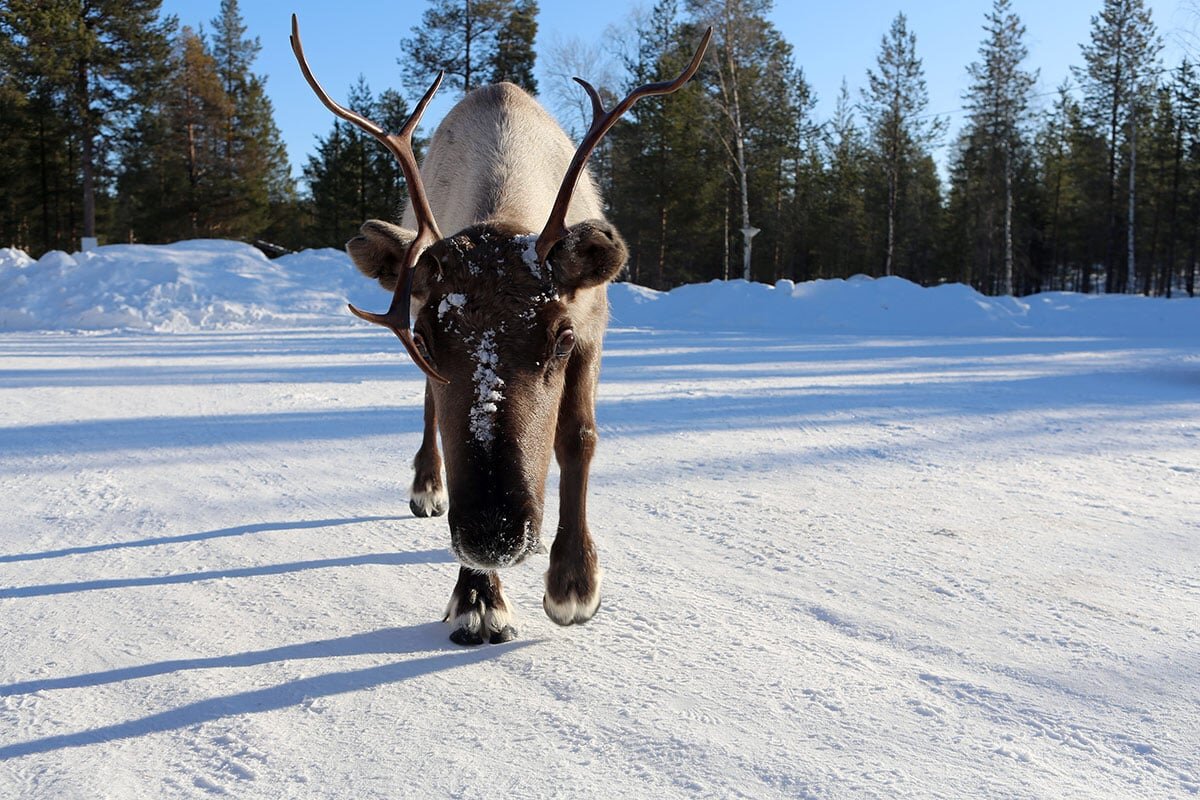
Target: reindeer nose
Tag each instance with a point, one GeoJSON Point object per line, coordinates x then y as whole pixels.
{"type": "Point", "coordinates": [490, 539]}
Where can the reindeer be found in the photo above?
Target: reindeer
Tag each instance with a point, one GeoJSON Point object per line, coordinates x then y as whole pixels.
{"type": "Point", "coordinates": [508, 329]}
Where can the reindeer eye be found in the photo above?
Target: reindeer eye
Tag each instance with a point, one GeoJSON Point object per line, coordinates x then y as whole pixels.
{"type": "Point", "coordinates": [565, 344]}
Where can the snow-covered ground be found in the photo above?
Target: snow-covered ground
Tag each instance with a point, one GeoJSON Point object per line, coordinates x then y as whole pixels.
{"type": "Point", "coordinates": [861, 539]}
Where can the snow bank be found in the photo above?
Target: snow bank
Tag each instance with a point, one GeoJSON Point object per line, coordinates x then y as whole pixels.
{"type": "Point", "coordinates": [896, 306]}
{"type": "Point", "coordinates": [193, 285]}
{"type": "Point", "coordinates": [221, 285]}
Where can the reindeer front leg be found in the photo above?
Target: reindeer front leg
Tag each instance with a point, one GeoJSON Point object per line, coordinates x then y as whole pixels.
{"type": "Point", "coordinates": [428, 497]}
{"type": "Point", "coordinates": [573, 580]}
{"type": "Point", "coordinates": [478, 611]}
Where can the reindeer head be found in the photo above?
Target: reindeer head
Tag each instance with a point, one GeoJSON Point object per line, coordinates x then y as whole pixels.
{"type": "Point", "coordinates": [500, 327]}
{"type": "Point", "coordinates": [500, 315]}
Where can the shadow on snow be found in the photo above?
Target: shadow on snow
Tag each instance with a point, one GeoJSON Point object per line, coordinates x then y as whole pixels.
{"type": "Point", "coordinates": [220, 533]}
{"type": "Point", "coordinates": [435, 556]}
{"type": "Point", "coordinates": [398, 641]}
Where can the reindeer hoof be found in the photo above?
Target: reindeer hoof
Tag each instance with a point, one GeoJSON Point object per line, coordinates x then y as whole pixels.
{"type": "Point", "coordinates": [506, 634]}
{"type": "Point", "coordinates": [466, 636]}
{"type": "Point", "coordinates": [470, 638]}
{"type": "Point", "coordinates": [428, 504]}
{"type": "Point", "coordinates": [573, 611]}
{"type": "Point", "coordinates": [571, 599]}
{"type": "Point", "coordinates": [478, 615]}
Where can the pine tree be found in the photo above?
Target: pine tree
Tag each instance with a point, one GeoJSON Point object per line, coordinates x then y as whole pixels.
{"type": "Point", "coordinates": [460, 37]}
{"type": "Point", "coordinates": [1072, 154]}
{"type": "Point", "coordinates": [392, 190]}
{"type": "Point", "coordinates": [1121, 62]}
{"type": "Point", "coordinates": [798, 197]}
{"type": "Point", "coordinates": [997, 100]}
{"type": "Point", "coordinates": [88, 64]}
{"type": "Point", "coordinates": [747, 78]}
{"type": "Point", "coordinates": [970, 232]}
{"type": "Point", "coordinates": [514, 56]}
{"type": "Point", "coordinates": [843, 219]}
{"type": "Point", "coordinates": [256, 176]}
{"type": "Point", "coordinates": [14, 174]}
{"type": "Point", "coordinates": [1188, 83]}
{"type": "Point", "coordinates": [921, 218]}
{"type": "Point", "coordinates": [352, 178]}
{"type": "Point", "coordinates": [1170, 180]}
{"type": "Point", "coordinates": [325, 175]}
{"type": "Point", "coordinates": [175, 155]}
{"type": "Point", "coordinates": [894, 103]}
{"type": "Point", "coordinates": [40, 201]}
{"type": "Point", "coordinates": [659, 188]}
{"type": "Point", "coordinates": [198, 114]}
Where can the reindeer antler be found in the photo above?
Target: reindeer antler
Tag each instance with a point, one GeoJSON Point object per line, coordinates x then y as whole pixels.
{"type": "Point", "coordinates": [397, 318]}
{"type": "Point", "coordinates": [556, 227]}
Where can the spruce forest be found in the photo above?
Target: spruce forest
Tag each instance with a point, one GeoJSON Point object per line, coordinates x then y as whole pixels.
{"type": "Point", "coordinates": [118, 122]}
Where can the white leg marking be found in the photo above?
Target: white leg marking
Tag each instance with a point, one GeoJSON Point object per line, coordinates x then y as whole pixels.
{"type": "Point", "coordinates": [574, 608]}
{"type": "Point", "coordinates": [496, 619]}
{"type": "Point", "coordinates": [465, 615]}
{"type": "Point", "coordinates": [431, 502]}
{"type": "Point", "coordinates": [467, 621]}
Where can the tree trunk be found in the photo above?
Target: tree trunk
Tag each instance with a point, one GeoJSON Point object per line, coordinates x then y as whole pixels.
{"type": "Point", "coordinates": [360, 177]}
{"type": "Point", "coordinates": [661, 267]}
{"type": "Point", "coordinates": [743, 187]}
{"type": "Point", "coordinates": [777, 251]}
{"type": "Point", "coordinates": [192, 174]}
{"type": "Point", "coordinates": [1168, 270]}
{"type": "Point", "coordinates": [635, 269]}
{"type": "Point", "coordinates": [729, 89]}
{"type": "Point", "coordinates": [45, 183]}
{"type": "Point", "coordinates": [1191, 276]}
{"type": "Point", "coordinates": [193, 179]}
{"type": "Point", "coordinates": [1110, 276]}
{"type": "Point", "coordinates": [1008, 232]}
{"type": "Point", "coordinates": [1054, 235]}
{"type": "Point", "coordinates": [891, 221]}
{"type": "Point", "coordinates": [725, 242]}
{"type": "Point", "coordinates": [467, 35]}
{"type": "Point", "coordinates": [1130, 269]}
{"type": "Point", "coordinates": [87, 155]}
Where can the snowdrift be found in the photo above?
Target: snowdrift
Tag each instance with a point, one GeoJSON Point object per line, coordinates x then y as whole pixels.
{"type": "Point", "coordinates": [187, 286]}
{"type": "Point", "coordinates": [863, 305]}
{"type": "Point", "coordinates": [222, 285]}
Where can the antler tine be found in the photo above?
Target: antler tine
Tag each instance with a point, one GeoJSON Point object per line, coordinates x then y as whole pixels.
{"type": "Point", "coordinates": [322, 95]}
{"type": "Point", "coordinates": [397, 318]}
{"type": "Point", "coordinates": [597, 103]}
{"type": "Point", "coordinates": [556, 227]}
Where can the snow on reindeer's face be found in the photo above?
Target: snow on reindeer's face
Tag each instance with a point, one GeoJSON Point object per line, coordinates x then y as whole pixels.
{"type": "Point", "coordinates": [501, 327]}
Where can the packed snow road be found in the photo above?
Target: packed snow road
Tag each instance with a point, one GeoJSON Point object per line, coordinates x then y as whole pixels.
{"type": "Point", "coordinates": [835, 567]}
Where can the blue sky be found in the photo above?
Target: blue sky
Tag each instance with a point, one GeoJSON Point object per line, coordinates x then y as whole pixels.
{"type": "Point", "coordinates": [832, 40]}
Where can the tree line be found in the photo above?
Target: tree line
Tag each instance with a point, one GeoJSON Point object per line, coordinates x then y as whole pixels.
{"type": "Point", "coordinates": [1100, 191]}
{"type": "Point", "coordinates": [117, 121]}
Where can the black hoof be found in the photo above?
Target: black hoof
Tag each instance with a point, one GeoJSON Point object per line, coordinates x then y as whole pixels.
{"type": "Point", "coordinates": [468, 638]}
{"type": "Point", "coordinates": [506, 635]}
{"type": "Point", "coordinates": [465, 637]}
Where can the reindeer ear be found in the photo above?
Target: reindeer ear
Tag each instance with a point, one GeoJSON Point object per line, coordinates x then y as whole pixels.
{"type": "Point", "coordinates": [378, 251]}
{"type": "Point", "coordinates": [592, 253]}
